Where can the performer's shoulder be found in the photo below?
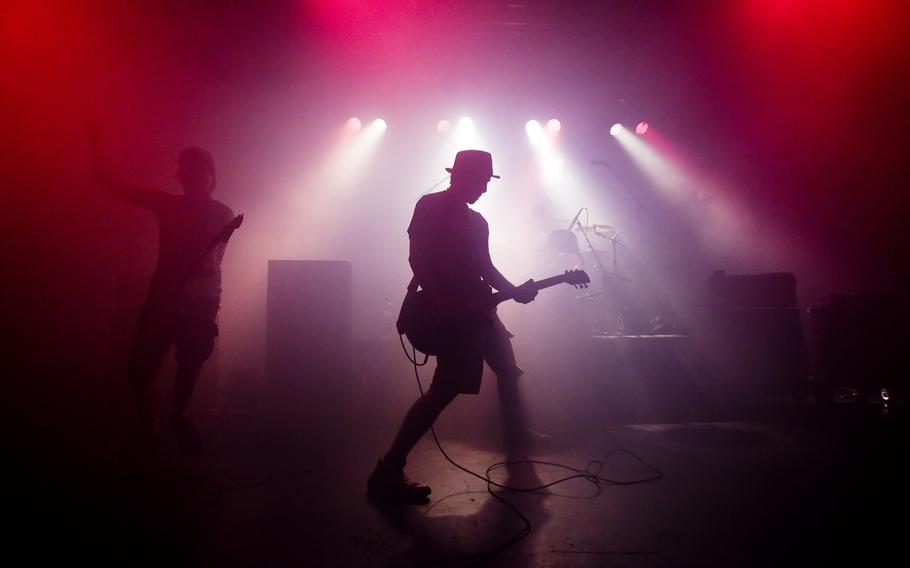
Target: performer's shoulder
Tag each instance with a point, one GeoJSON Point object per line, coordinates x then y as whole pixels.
{"type": "Point", "coordinates": [477, 217]}
{"type": "Point", "coordinates": [429, 204]}
{"type": "Point", "coordinates": [431, 198]}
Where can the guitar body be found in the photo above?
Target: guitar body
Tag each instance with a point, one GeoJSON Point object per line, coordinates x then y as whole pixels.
{"type": "Point", "coordinates": [430, 322]}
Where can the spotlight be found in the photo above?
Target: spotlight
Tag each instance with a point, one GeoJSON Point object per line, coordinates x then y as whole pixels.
{"type": "Point", "coordinates": [641, 127]}
{"type": "Point", "coordinates": [443, 126]}
{"type": "Point", "coordinates": [532, 126]}
{"type": "Point", "coordinates": [553, 125]}
{"type": "Point", "coordinates": [615, 129]}
{"type": "Point", "coordinates": [354, 124]}
{"type": "Point", "coordinates": [465, 122]}
{"type": "Point", "coordinates": [380, 124]}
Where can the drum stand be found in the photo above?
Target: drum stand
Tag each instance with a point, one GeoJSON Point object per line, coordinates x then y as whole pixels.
{"type": "Point", "coordinates": [608, 282]}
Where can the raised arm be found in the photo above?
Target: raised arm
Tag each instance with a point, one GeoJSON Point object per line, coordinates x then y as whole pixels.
{"type": "Point", "coordinates": [140, 196]}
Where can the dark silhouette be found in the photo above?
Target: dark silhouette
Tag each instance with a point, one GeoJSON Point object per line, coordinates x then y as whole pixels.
{"type": "Point", "coordinates": [185, 292]}
{"type": "Point", "coordinates": [450, 257]}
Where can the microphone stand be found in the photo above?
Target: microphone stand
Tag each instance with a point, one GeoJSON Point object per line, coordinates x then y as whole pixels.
{"type": "Point", "coordinates": [640, 206]}
{"type": "Point", "coordinates": [605, 277]}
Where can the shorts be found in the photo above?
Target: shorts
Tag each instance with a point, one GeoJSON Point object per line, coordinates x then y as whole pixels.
{"type": "Point", "coordinates": [190, 327]}
{"type": "Point", "coordinates": [459, 366]}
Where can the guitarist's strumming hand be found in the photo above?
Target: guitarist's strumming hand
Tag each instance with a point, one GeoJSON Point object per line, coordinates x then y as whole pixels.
{"type": "Point", "coordinates": [525, 293]}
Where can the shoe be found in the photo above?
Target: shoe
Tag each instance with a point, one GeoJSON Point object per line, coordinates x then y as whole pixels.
{"type": "Point", "coordinates": [388, 484]}
{"type": "Point", "coordinates": [186, 434]}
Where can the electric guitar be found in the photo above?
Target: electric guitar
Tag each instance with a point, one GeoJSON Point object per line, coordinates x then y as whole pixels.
{"type": "Point", "coordinates": [428, 320]}
{"type": "Point", "coordinates": [170, 295]}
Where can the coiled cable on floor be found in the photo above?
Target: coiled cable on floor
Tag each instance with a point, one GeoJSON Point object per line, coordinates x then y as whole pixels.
{"type": "Point", "coordinates": [591, 473]}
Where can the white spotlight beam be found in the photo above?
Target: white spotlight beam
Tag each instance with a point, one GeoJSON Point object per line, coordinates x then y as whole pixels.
{"type": "Point", "coordinates": [659, 169]}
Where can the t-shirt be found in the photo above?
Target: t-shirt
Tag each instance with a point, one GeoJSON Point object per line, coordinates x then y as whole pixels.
{"type": "Point", "coordinates": [449, 245]}
{"type": "Point", "coordinates": [186, 228]}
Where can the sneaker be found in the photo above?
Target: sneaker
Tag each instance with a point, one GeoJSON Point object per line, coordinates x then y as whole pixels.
{"type": "Point", "coordinates": [389, 484]}
{"type": "Point", "coordinates": [186, 434]}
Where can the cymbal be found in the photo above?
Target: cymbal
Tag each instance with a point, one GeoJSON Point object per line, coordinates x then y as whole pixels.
{"type": "Point", "coordinates": [595, 227]}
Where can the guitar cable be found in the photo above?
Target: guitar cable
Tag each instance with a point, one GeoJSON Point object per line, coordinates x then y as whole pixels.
{"type": "Point", "coordinates": [591, 473]}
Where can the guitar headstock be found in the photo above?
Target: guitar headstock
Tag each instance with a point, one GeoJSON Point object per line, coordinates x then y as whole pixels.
{"type": "Point", "coordinates": [576, 277]}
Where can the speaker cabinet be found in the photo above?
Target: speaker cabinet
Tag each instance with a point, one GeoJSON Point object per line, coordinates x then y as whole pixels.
{"type": "Point", "coordinates": [308, 334]}
{"type": "Point", "coordinates": [760, 328]}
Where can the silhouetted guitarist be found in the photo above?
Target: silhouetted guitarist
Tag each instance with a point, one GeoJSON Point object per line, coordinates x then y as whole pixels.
{"type": "Point", "coordinates": [185, 292]}
{"type": "Point", "coordinates": [450, 257]}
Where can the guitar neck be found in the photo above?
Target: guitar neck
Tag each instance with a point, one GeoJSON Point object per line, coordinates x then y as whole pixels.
{"type": "Point", "coordinates": [500, 297]}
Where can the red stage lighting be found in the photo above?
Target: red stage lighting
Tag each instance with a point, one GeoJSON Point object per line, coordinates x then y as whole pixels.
{"type": "Point", "coordinates": [443, 126]}
{"type": "Point", "coordinates": [641, 127]}
{"type": "Point", "coordinates": [553, 125]}
{"type": "Point", "coordinates": [354, 124]}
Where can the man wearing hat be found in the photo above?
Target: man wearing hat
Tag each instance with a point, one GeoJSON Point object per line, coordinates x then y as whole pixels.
{"type": "Point", "coordinates": [450, 257]}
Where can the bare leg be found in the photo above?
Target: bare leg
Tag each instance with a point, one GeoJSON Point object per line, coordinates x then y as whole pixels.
{"type": "Point", "coordinates": [515, 432]}
{"type": "Point", "coordinates": [184, 383]}
{"type": "Point", "coordinates": [500, 356]}
{"type": "Point", "coordinates": [149, 348]}
{"type": "Point", "coordinates": [417, 421]}
{"type": "Point", "coordinates": [195, 338]}
{"type": "Point", "coordinates": [143, 391]}
{"type": "Point", "coordinates": [388, 482]}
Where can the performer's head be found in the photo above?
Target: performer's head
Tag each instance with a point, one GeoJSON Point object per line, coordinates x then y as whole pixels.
{"type": "Point", "coordinates": [196, 172]}
{"type": "Point", "coordinates": [471, 173]}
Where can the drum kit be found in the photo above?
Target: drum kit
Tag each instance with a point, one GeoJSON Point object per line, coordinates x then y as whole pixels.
{"type": "Point", "coordinates": [609, 304]}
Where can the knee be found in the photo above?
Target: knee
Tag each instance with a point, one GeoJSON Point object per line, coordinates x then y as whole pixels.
{"type": "Point", "coordinates": [194, 353]}
{"type": "Point", "coordinates": [440, 397]}
{"type": "Point", "coordinates": [509, 374]}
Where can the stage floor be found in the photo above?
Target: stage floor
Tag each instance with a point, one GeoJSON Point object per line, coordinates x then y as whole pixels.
{"type": "Point", "coordinates": [786, 486]}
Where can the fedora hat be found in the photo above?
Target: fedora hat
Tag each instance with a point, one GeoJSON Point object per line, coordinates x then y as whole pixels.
{"type": "Point", "coordinates": [475, 161]}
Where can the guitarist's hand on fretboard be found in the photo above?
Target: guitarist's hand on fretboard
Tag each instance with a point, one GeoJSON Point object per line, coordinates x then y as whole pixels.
{"type": "Point", "coordinates": [525, 293]}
